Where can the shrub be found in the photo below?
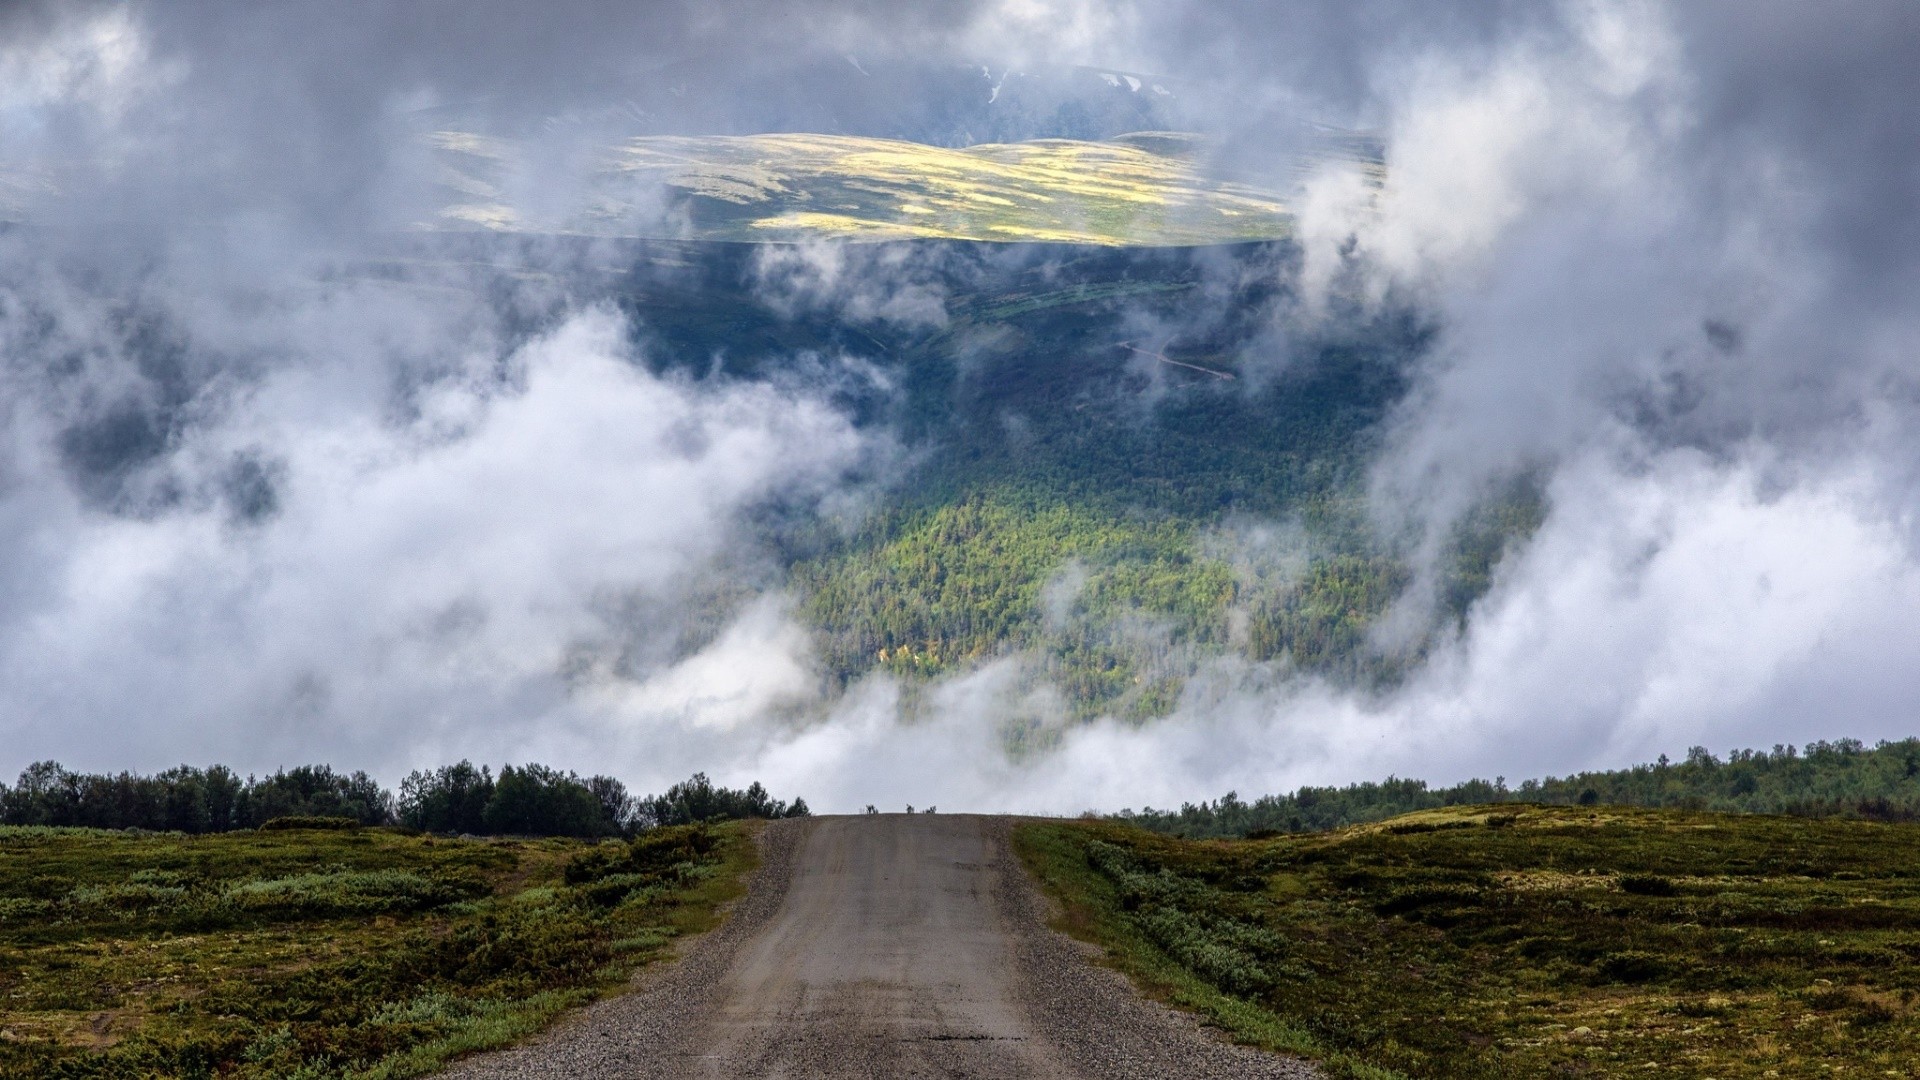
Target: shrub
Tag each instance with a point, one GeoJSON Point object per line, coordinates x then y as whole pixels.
{"type": "Point", "coordinates": [655, 852]}
{"type": "Point", "coordinates": [352, 892]}
{"type": "Point", "coordinates": [308, 821]}
{"type": "Point", "coordinates": [1647, 885]}
{"type": "Point", "coordinates": [1631, 966]}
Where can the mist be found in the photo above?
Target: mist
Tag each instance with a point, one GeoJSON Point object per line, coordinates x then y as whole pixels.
{"type": "Point", "coordinates": [280, 482]}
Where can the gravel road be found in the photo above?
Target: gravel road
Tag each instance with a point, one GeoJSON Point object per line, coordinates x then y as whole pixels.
{"type": "Point", "coordinates": [883, 946]}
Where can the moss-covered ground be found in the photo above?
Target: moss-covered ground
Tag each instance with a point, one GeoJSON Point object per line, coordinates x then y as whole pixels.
{"type": "Point", "coordinates": [1519, 941]}
{"type": "Point", "coordinates": [325, 952]}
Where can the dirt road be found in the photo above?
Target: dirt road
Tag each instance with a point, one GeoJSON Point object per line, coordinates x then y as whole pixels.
{"type": "Point", "coordinates": [883, 946]}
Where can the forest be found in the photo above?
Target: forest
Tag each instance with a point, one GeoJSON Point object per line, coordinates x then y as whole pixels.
{"type": "Point", "coordinates": [1115, 468]}
{"type": "Point", "coordinates": [523, 800]}
{"type": "Point", "coordinates": [1841, 778]}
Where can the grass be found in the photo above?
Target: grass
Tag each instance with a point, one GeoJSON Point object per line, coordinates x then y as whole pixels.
{"type": "Point", "coordinates": [322, 953]}
{"type": "Point", "coordinates": [1522, 941]}
{"type": "Point", "coordinates": [1134, 190]}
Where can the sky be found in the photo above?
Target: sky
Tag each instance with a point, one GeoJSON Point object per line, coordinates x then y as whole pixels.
{"type": "Point", "coordinates": [259, 510]}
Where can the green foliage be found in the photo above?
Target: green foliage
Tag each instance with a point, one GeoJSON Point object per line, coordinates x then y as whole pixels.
{"type": "Point", "coordinates": [186, 799]}
{"type": "Point", "coordinates": [1520, 941]}
{"type": "Point", "coordinates": [526, 800]}
{"type": "Point", "coordinates": [298, 821]}
{"type": "Point", "coordinates": [1839, 778]}
{"type": "Point", "coordinates": [1118, 471]}
{"type": "Point", "coordinates": [451, 799]}
{"type": "Point", "coordinates": [698, 800]}
{"type": "Point", "coordinates": [323, 952]}
{"type": "Point", "coordinates": [534, 800]}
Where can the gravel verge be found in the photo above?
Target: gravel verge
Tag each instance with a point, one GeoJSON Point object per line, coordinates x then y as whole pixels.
{"type": "Point", "coordinates": [1098, 1023]}
{"type": "Point", "coordinates": [644, 1033]}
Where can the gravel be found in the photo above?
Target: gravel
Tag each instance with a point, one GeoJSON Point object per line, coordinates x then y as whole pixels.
{"type": "Point", "coordinates": [646, 1032]}
{"type": "Point", "coordinates": [1098, 1024]}
{"type": "Point", "coordinates": [884, 947]}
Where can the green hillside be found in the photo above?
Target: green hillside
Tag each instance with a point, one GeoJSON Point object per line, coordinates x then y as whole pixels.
{"type": "Point", "coordinates": [1119, 510]}
{"type": "Point", "coordinates": [1118, 473]}
{"type": "Point", "coordinates": [1113, 471]}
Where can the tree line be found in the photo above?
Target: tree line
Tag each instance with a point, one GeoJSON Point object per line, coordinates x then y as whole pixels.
{"type": "Point", "coordinates": [1844, 777]}
{"type": "Point", "coordinates": [522, 800]}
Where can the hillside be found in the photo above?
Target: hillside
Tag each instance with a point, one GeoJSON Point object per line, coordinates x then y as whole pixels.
{"type": "Point", "coordinates": [1148, 188]}
{"type": "Point", "coordinates": [1110, 468]}
{"type": "Point", "coordinates": [1488, 942]}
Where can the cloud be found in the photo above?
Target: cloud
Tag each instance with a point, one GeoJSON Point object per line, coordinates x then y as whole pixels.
{"type": "Point", "coordinates": [896, 284]}
{"type": "Point", "coordinates": [1682, 604]}
{"type": "Point", "coordinates": [278, 481]}
{"type": "Point", "coordinates": [418, 582]}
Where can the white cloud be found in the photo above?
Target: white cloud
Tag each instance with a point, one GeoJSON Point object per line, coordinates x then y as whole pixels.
{"type": "Point", "coordinates": [415, 589]}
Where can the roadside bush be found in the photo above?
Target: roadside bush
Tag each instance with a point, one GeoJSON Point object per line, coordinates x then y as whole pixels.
{"type": "Point", "coordinates": [1185, 919]}
{"type": "Point", "coordinates": [654, 853]}
{"type": "Point", "coordinates": [303, 821]}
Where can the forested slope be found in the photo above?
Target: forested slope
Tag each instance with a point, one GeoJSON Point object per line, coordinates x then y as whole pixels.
{"type": "Point", "coordinates": [1115, 464]}
{"type": "Point", "coordinates": [1840, 778]}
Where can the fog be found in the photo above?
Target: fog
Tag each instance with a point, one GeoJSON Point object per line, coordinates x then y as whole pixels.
{"type": "Point", "coordinates": [261, 505]}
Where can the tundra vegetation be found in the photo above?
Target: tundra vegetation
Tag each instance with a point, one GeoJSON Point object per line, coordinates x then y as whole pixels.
{"type": "Point", "coordinates": [165, 925]}
{"type": "Point", "coordinates": [1518, 940]}
{"type": "Point", "coordinates": [325, 948]}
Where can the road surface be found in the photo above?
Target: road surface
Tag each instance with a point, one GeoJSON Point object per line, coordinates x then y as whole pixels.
{"type": "Point", "coordinates": [883, 946]}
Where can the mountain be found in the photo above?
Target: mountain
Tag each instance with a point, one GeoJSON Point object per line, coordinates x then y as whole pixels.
{"type": "Point", "coordinates": [1112, 470]}
{"type": "Point", "coordinates": [1127, 461]}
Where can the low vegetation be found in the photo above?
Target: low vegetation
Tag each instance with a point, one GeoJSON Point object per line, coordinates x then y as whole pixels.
{"type": "Point", "coordinates": [1523, 941]}
{"type": "Point", "coordinates": [321, 948]}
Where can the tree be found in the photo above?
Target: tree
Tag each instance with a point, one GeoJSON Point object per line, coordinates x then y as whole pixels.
{"type": "Point", "coordinates": [451, 799]}
{"type": "Point", "coordinates": [697, 799]}
{"type": "Point", "coordinates": [534, 800]}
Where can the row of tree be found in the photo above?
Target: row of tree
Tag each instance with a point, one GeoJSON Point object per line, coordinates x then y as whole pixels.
{"type": "Point", "coordinates": [524, 800]}
{"type": "Point", "coordinates": [1840, 778]}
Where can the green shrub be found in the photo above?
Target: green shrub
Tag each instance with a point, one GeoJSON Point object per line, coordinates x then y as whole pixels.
{"type": "Point", "coordinates": [309, 821]}
{"type": "Point", "coordinates": [1647, 885]}
{"type": "Point", "coordinates": [351, 892]}
{"type": "Point", "coordinates": [1632, 966]}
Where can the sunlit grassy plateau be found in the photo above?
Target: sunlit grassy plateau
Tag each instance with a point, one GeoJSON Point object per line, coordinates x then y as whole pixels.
{"type": "Point", "coordinates": [1148, 188]}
